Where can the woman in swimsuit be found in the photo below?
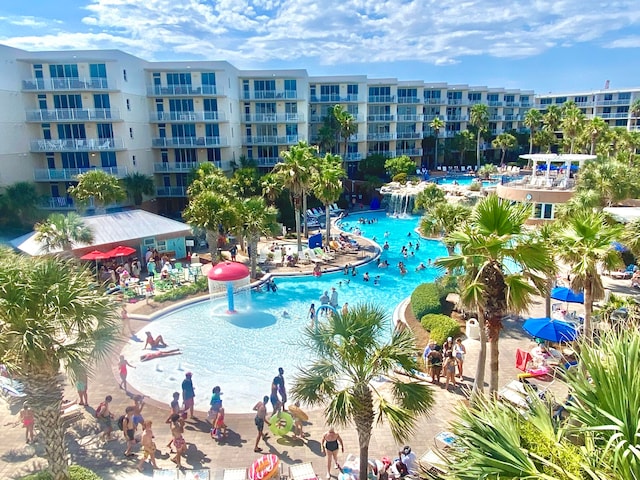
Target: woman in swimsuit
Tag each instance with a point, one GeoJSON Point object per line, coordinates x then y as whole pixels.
{"type": "Point", "coordinates": [27, 418]}
{"type": "Point", "coordinates": [177, 429]}
{"type": "Point", "coordinates": [122, 368]}
{"type": "Point", "coordinates": [330, 442]}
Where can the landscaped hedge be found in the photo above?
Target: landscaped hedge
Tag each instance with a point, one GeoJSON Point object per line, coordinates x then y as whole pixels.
{"type": "Point", "coordinates": [183, 291]}
{"type": "Point", "coordinates": [426, 298]}
{"type": "Point", "coordinates": [76, 472]}
{"type": "Point", "coordinates": [440, 327]}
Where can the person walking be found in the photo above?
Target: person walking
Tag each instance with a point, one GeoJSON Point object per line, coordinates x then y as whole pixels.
{"type": "Point", "coordinates": [28, 420]}
{"type": "Point", "coordinates": [126, 321]}
{"type": "Point", "coordinates": [261, 418]}
{"type": "Point", "coordinates": [81, 387]}
{"type": "Point", "coordinates": [331, 441]}
{"type": "Point", "coordinates": [273, 398]}
{"type": "Point", "coordinates": [312, 314]}
{"type": "Point", "coordinates": [148, 446]}
{"type": "Point", "coordinates": [449, 367]}
{"type": "Point", "coordinates": [105, 418]}
{"type": "Point", "coordinates": [334, 298]}
{"type": "Point", "coordinates": [177, 431]}
{"type": "Point", "coordinates": [174, 407]}
{"type": "Point", "coordinates": [282, 390]}
{"type": "Point", "coordinates": [122, 368]}
{"type": "Point", "coordinates": [188, 394]}
{"type": "Point", "coordinates": [459, 352]}
{"type": "Point", "coordinates": [129, 429]}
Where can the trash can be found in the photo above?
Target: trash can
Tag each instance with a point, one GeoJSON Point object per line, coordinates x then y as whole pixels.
{"type": "Point", "coordinates": [473, 329]}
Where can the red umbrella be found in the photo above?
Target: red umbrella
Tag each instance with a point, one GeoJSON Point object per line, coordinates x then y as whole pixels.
{"type": "Point", "coordinates": [95, 255]}
{"type": "Point", "coordinates": [120, 252]}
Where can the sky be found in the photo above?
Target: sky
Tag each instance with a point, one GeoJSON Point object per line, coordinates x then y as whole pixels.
{"type": "Point", "coordinates": [547, 46]}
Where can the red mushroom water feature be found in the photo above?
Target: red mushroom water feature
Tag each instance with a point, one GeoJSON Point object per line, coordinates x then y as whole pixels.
{"type": "Point", "coordinates": [229, 272]}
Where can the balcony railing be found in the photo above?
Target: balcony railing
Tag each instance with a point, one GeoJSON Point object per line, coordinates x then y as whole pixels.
{"type": "Point", "coordinates": [408, 135]}
{"type": "Point", "coordinates": [175, 167]}
{"type": "Point", "coordinates": [188, 142]}
{"type": "Point", "coordinates": [457, 101]}
{"type": "Point", "coordinates": [382, 98]}
{"type": "Point", "coordinates": [495, 103]}
{"type": "Point", "coordinates": [613, 102]}
{"type": "Point", "coordinates": [434, 101]}
{"type": "Point", "coordinates": [274, 118]}
{"type": "Point", "coordinates": [73, 115]}
{"type": "Point", "coordinates": [495, 118]}
{"type": "Point", "coordinates": [353, 157]}
{"type": "Point", "coordinates": [512, 104]}
{"type": "Point", "coordinates": [187, 116]}
{"type": "Point", "coordinates": [271, 95]}
{"type": "Point", "coordinates": [272, 140]}
{"type": "Point", "coordinates": [76, 145]}
{"type": "Point", "coordinates": [410, 152]}
{"type": "Point", "coordinates": [267, 161]}
{"type": "Point", "coordinates": [57, 203]}
{"type": "Point", "coordinates": [381, 118]}
{"type": "Point", "coordinates": [613, 115]}
{"type": "Point", "coordinates": [171, 192]}
{"type": "Point", "coordinates": [381, 136]}
{"type": "Point", "coordinates": [512, 118]}
{"type": "Point", "coordinates": [67, 174]}
{"type": "Point", "coordinates": [336, 98]}
{"type": "Point", "coordinates": [386, 154]}
{"type": "Point", "coordinates": [457, 118]}
{"type": "Point", "coordinates": [410, 118]}
{"type": "Point", "coordinates": [71, 83]}
{"type": "Point", "coordinates": [409, 100]}
{"type": "Point", "coordinates": [180, 90]}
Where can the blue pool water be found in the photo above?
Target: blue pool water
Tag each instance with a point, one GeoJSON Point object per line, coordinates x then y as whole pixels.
{"type": "Point", "coordinates": [242, 352]}
{"type": "Point", "coordinates": [464, 180]}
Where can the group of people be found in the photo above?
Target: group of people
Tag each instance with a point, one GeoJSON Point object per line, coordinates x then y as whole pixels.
{"type": "Point", "coordinates": [446, 358]}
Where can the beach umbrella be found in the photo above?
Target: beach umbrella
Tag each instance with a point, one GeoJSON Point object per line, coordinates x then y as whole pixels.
{"type": "Point", "coordinates": [565, 294]}
{"type": "Point", "coordinates": [120, 251]}
{"type": "Point", "coordinates": [550, 329]}
{"type": "Point", "coordinates": [95, 255]}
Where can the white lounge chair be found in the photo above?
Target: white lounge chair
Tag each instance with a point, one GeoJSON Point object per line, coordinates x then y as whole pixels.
{"type": "Point", "coordinates": [302, 471]}
{"type": "Point", "coordinates": [262, 257]}
{"type": "Point", "coordinates": [234, 474]}
{"type": "Point", "coordinates": [277, 258]}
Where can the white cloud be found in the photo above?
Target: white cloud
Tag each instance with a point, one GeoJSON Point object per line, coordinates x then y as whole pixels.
{"type": "Point", "coordinates": [28, 21]}
{"type": "Point", "coordinates": [250, 32]}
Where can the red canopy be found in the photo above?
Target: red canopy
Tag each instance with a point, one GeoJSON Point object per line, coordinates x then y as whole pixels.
{"type": "Point", "coordinates": [95, 255]}
{"type": "Point", "coordinates": [120, 251]}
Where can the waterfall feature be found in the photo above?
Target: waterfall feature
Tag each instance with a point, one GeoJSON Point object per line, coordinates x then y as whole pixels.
{"type": "Point", "coordinates": [400, 203]}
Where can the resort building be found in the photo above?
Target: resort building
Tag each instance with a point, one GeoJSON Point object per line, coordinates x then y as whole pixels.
{"type": "Point", "coordinates": [613, 106]}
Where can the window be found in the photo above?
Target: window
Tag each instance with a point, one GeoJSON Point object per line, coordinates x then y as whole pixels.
{"type": "Point", "coordinates": [108, 159]}
{"type": "Point", "coordinates": [71, 131]}
{"type": "Point", "coordinates": [624, 109]}
{"type": "Point", "coordinates": [46, 131]}
{"type": "Point", "coordinates": [493, 97]}
{"type": "Point", "coordinates": [211, 105]}
{"type": "Point", "coordinates": [128, 105]}
{"type": "Point", "coordinates": [621, 122]}
{"type": "Point", "coordinates": [164, 155]}
{"type": "Point", "coordinates": [124, 74]}
{"type": "Point", "coordinates": [407, 93]}
{"type": "Point", "coordinates": [51, 162]}
{"type": "Point", "coordinates": [101, 101]}
{"type": "Point", "coordinates": [212, 130]}
{"type": "Point", "coordinates": [63, 71]}
{"type": "Point", "coordinates": [130, 132]}
{"type": "Point", "coordinates": [624, 96]}
{"type": "Point", "coordinates": [264, 107]}
{"type": "Point", "coordinates": [312, 93]}
{"type": "Point", "coordinates": [105, 130]}
{"type": "Point", "coordinates": [474, 96]}
{"type": "Point", "coordinates": [544, 101]}
{"type": "Point", "coordinates": [37, 71]}
{"type": "Point", "coordinates": [509, 98]}
{"type": "Point", "coordinates": [159, 105]}
{"type": "Point", "coordinates": [186, 130]}
{"type": "Point", "coordinates": [208, 78]}
{"type": "Point", "coordinates": [352, 89]}
{"type": "Point", "coordinates": [608, 97]}
{"type": "Point", "coordinates": [133, 160]}
{"type": "Point", "coordinates": [432, 94]}
{"type": "Point", "coordinates": [290, 87]}
{"type": "Point", "coordinates": [560, 100]}
{"type": "Point", "coordinates": [179, 78]}
{"type": "Point", "coordinates": [75, 159]}
{"type": "Point", "coordinates": [581, 99]}
{"type": "Point", "coordinates": [291, 129]}
{"type": "Point", "coordinates": [181, 105]}
{"type": "Point", "coordinates": [185, 155]}
{"type": "Point", "coordinates": [329, 93]}
{"type": "Point", "coordinates": [97, 70]}
{"type": "Point", "coordinates": [67, 101]}
{"type": "Point", "coordinates": [291, 107]}
{"type": "Point", "coordinates": [214, 155]}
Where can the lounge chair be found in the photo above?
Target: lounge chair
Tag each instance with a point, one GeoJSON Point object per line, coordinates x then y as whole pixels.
{"type": "Point", "coordinates": [234, 474]}
{"type": "Point", "coordinates": [277, 258]}
{"type": "Point", "coordinates": [262, 257]}
{"type": "Point", "coordinates": [323, 255]}
{"type": "Point", "coordinates": [302, 471]}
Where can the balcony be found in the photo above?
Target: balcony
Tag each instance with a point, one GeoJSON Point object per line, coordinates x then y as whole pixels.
{"type": "Point", "coordinates": [57, 203]}
{"type": "Point", "coordinates": [74, 115]}
{"type": "Point", "coordinates": [272, 140]}
{"type": "Point", "coordinates": [381, 136]}
{"type": "Point", "coordinates": [409, 100]}
{"type": "Point", "coordinates": [513, 118]}
{"type": "Point", "coordinates": [274, 118]}
{"type": "Point", "coordinates": [457, 101]}
{"type": "Point", "coordinates": [457, 118]}
{"type": "Point", "coordinates": [525, 105]}
{"type": "Point", "coordinates": [613, 102]}
{"type": "Point", "coordinates": [188, 142]}
{"type": "Point", "coordinates": [175, 167]}
{"type": "Point", "coordinates": [511, 104]}
{"type": "Point", "coordinates": [188, 116]}
{"type": "Point", "coordinates": [70, 174]}
{"type": "Point", "coordinates": [271, 95]}
{"type": "Point", "coordinates": [72, 83]}
{"type": "Point", "coordinates": [608, 116]}
{"type": "Point", "coordinates": [495, 103]}
{"type": "Point", "coordinates": [382, 98]}
{"type": "Point", "coordinates": [171, 192]}
{"type": "Point", "coordinates": [267, 161]}
{"type": "Point", "coordinates": [381, 118]}
{"type": "Point", "coordinates": [76, 145]}
{"type": "Point", "coordinates": [410, 152]}
{"type": "Point", "coordinates": [353, 157]}
{"type": "Point", "coordinates": [409, 135]}
{"type": "Point", "coordinates": [182, 90]}
{"type": "Point", "coordinates": [411, 118]}
{"type": "Point", "coordinates": [495, 118]}
{"type": "Point", "coordinates": [349, 98]}
{"type": "Point", "coordinates": [386, 154]}
{"type": "Point", "coordinates": [434, 101]}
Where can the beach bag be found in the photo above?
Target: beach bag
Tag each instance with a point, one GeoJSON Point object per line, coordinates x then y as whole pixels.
{"type": "Point", "coordinates": [121, 422]}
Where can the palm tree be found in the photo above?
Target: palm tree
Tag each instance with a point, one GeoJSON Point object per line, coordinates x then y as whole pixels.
{"type": "Point", "coordinates": [479, 118]}
{"type": "Point", "coordinates": [552, 118]}
{"type": "Point", "coordinates": [430, 196]}
{"type": "Point", "coordinates": [585, 243]}
{"type": "Point", "coordinates": [257, 219]}
{"type": "Point", "coordinates": [348, 126]}
{"type": "Point", "coordinates": [138, 184]}
{"type": "Point", "coordinates": [572, 124]}
{"type": "Point", "coordinates": [294, 173]}
{"type": "Point", "coordinates": [634, 111]}
{"type": "Point", "coordinates": [271, 188]}
{"type": "Point", "coordinates": [327, 185]}
{"type": "Point", "coordinates": [597, 128]}
{"type": "Point", "coordinates": [493, 239]}
{"type": "Point", "coordinates": [436, 125]}
{"type": "Point", "coordinates": [55, 319]}
{"type": "Point", "coordinates": [464, 141]}
{"type": "Point", "coordinates": [19, 203]}
{"type": "Point", "coordinates": [505, 141]}
{"type": "Point", "coordinates": [98, 185]}
{"type": "Point", "coordinates": [349, 357]}
{"type": "Point", "coordinates": [443, 218]}
{"type": "Point", "coordinates": [544, 139]}
{"type": "Point", "coordinates": [532, 120]}
{"type": "Point", "coordinates": [61, 232]}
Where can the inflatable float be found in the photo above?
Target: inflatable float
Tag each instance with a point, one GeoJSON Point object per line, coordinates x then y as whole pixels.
{"type": "Point", "coordinates": [264, 468]}
{"type": "Point", "coordinates": [281, 424]}
{"type": "Point", "coordinates": [298, 413]}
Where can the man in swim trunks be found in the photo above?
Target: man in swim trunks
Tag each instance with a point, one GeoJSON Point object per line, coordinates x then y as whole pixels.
{"type": "Point", "coordinates": [282, 389]}
{"type": "Point", "coordinates": [129, 428]}
{"type": "Point", "coordinates": [275, 401]}
{"type": "Point", "coordinates": [261, 418]}
{"type": "Point", "coordinates": [188, 394]}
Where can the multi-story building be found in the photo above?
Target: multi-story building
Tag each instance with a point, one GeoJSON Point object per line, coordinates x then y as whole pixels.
{"type": "Point", "coordinates": [70, 111]}
{"type": "Point", "coordinates": [613, 106]}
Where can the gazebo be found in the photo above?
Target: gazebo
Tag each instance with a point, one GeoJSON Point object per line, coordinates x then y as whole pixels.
{"type": "Point", "coordinates": [551, 160]}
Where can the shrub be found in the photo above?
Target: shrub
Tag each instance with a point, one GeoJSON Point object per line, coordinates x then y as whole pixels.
{"type": "Point", "coordinates": [440, 327]}
{"type": "Point", "coordinates": [475, 186]}
{"type": "Point", "coordinates": [426, 299]}
{"type": "Point", "coordinates": [400, 178]}
{"type": "Point", "coordinates": [76, 472]}
{"type": "Point", "coordinates": [183, 291]}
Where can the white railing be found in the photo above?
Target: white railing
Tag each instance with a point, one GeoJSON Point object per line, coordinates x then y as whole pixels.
{"type": "Point", "coordinates": [381, 136]}
{"type": "Point", "coordinates": [267, 161]}
{"type": "Point", "coordinates": [274, 117]}
{"type": "Point", "coordinates": [187, 89]}
{"type": "Point", "coordinates": [408, 135]}
{"type": "Point", "coordinates": [410, 152]}
{"type": "Point", "coordinates": [411, 117]}
{"type": "Point", "coordinates": [353, 157]}
{"type": "Point", "coordinates": [336, 98]}
{"type": "Point", "coordinates": [382, 98]}
{"type": "Point", "coordinates": [181, 167]}
{"type": "Point", "coordinates": [200, 116]}
{"type": "Point", "coordinates": [76, 144]}
{"type": "Point", "coordinates": [381, 118]}
{"type": "Point", "coordinates": [270, 94]}
{"type": "Point", "coordinates": [65, 174]}
{"type": "Point", "coordinates": [409, 99]}
{"type": "Point", "coordinates": [188, 142]}
{"type": "Point", "coordinates": [171, 192]}
{"type": "Point", "coordinates": [71, 83]}
{"type": "Point", "coordinates": [272, 139]}
{"type": "Point", "coordinates": [73, 115]}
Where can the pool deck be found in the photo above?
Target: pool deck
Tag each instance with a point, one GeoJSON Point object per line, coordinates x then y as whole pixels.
{"type": "Point", "coordinates": [108, 460]}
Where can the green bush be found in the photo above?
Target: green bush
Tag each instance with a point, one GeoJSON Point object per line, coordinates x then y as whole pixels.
{"type": "Point", "coordinates": [76, 472]}
{"type": "Point", "coordinates": [400, 178]}
{"type": "Point", "coordinates": [475, 186]}
{"type": "Point", "coordinates": [183, 291]}
{"type": "Point", "coordinates": [426, 299]}
{"type": "Point", "coordinates": [440, 327]}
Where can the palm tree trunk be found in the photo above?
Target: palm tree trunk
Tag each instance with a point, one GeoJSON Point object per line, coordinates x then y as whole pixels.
{"type": "Point", "coordinates": [253, 243]}
{"type": "Point", "coordinates": [494, 359]}
{"type": "Point", "coordinates": [212, 240]}
{"type": "Point", "coordinates": [530, 143]}
{"type": "Point", "coordinates": [435, 160]}
{"type": "Point", "coordinates": [547, 298]}
{"type": "Point", "coordinates": [304, 209]}
{"type": "Point", "coordinates": [296, 209]}
{"type": "Point", "coordinates": [478, 382]}
{"type": "Point", "coordinates": [363, 418]}
{"type": "Point", "coordinates": [588, 308]}
{"type": "Point", "coordinates": [478, 150]}
{"type": "Point", "coordinates": [45, 397]}
{"type": "Point", "coordinates": [327, 219]}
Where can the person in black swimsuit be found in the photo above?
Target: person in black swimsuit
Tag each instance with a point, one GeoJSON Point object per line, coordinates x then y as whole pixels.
{"type": "Point", "coordinates": [330, 443]}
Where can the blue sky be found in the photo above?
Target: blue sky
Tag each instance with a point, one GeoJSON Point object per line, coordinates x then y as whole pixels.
{"type": "Point", "coordinates": [559, 45]}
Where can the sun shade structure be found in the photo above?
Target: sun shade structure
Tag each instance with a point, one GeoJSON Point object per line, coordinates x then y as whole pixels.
{"type": "Point", "coordinates": [229, 272]}
{"type": "Point", "coordinates": [550, 329]}
{"type": "Point", "coordinates": [120, 251]}
{"type": "Point", "coordinates": [565, 294]}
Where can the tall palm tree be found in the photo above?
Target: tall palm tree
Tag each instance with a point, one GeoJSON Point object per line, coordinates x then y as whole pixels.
{"type": "Point", "coordinates": [19, 203]}
{"type": "Point", "coordinates": [479, 118]}
{"type": "Point", "coordinates": [464, 141]}
{"type": "Point", "coordinates": [257, 219]}
{"type": "Point", "coordinates": [349, 357]}
{"type": "Point", "coordinates": [138, 184]}
{"type": "Point", "coordinates": [348, 126]}
{"type": "Point", "coordinates": [295, 173]}
{"type": "Point", "coordinates": [271, 187]}
{"type": "Point", "coordinates": [98, 185]}
{"type": "Point", "coordinates": [572, 124]}
{"type": "Point", "coordinates": [634, 111]}
{"type": "Point", "coordinates": [491, 243]}
{"type": "Point", "coordinates": [585, 243]}
{"type": "Point", "coordinates": [55, 319]}
{"type": "Point", "coordinates": [327, 185]}
{"type": "Point", "coordinates": [597, 129]}
{"type": "Point", "coordinates": [436, 125]}
{"type": "Point", "coordinates": [443, 218]}
{"type": "Point", "coordinates": [532, 120]}
{"type": "Point", "coordinates": [552, 119]}
{"type": "Point", "coordinates": [61, 232]}
{"type": "Point", "coordinates": [505, 141]}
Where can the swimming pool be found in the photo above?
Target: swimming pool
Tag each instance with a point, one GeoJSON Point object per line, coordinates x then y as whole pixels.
{"type": "Point", "coordinates": [242, 353]}
{"type": "Point", "coordinates": [464, 180]}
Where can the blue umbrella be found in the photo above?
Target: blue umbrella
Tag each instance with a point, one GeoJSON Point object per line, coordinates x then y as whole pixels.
{"type": "Point", "coordinates": [618, 247]}
{"type": "Point", "coordinates": [550, 329]}
{"type": "Point", "coordinates": [565, 294]}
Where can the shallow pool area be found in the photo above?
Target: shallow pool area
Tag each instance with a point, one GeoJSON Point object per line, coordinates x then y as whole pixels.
{"type": "Point", "coordinates": [241, 353]}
